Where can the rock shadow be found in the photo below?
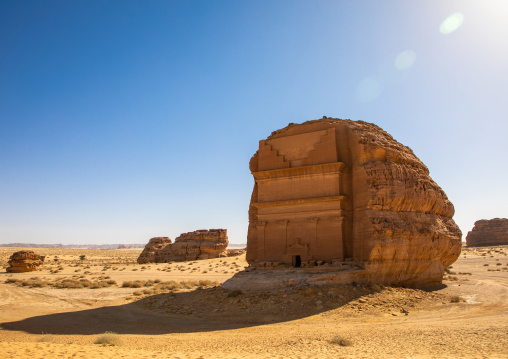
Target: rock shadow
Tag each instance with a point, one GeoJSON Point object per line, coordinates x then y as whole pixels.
{"type": "Point", "coordinates": [200, 310]}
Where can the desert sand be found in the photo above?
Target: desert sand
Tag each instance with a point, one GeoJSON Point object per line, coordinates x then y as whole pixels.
{"type": "Point", "coordinates": [178, 310]}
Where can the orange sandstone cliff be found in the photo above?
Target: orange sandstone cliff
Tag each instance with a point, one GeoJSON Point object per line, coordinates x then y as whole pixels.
{"type": "Point", "coordinates": [331, 191]}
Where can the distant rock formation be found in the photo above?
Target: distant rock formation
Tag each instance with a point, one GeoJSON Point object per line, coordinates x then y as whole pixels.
{"type": "Point", "coordinates": [24, 261]}
{"type": "Point", "coordinates": [331, 191]}
{"type": "Point", "coordinates": [236, 252]}
{"type": "Point", "coordinates": [152, 251]}
{"type": "Point", "coordinates": [73, 246]}
{"type": "Point", "coordinates": [488, 232]}
{"type": "Point", "coordinates": [200, 244]}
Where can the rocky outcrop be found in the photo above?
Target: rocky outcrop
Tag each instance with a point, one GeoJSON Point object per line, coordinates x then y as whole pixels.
{"type": "Point", "coordinates": [152, 251]}
{"type": "Point", "coordinates": [24, 261]}
{"type": "Point", "coordinates": [493, 232]}
{"type": "Point", "coordinates": [236, 252]}
{"type": "Point", "coordinates": [200, 244]}
{"type": "Point", "coordinates": [333, 191]}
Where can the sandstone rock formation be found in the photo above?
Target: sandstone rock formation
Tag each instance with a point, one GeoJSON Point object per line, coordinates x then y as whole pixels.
{"type": "Point", "coordinates": [334, 191]}
{"type": "Point", "coordinates": [493, 232]}
{"type": "Point", "coordinates": [24, 261]}
{"type": "Point", "coordinates": [236, 252]}
{"type": "Point", "coordinates": [200, 244]}
{"type": "Point", "coordinates": [152, 251]}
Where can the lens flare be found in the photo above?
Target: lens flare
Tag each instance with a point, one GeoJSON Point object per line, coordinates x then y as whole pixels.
{"type": "Point", "coordinates": [369, 89]}
{"type": "Point", "coordinates": [451, 23]}
{"type": "Point", "coordinates": [405, 59]}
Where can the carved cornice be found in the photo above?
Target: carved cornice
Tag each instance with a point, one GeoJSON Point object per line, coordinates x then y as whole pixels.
{"type": "Point", "coordinates": [299, 201]}
{"type": "Point", "coordinates": [327, 168]}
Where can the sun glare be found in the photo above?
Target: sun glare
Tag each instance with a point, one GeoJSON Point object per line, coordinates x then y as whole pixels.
{"type": "Point", "coordinates": [369, 89]}
{"type": "Point", "coordinates": [451, 23]}
{"type": "Point", "coordinates": [405, 59]}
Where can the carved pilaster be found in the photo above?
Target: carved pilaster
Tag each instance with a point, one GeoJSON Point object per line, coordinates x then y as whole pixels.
{"type": "Point", "coordinates": [313, 240]}
{"type": "Point", "coordinates": [261, 238]}
{"type": "Point", "coordinates": [285, 222]}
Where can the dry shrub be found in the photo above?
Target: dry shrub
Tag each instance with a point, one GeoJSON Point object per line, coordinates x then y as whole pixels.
{"type": "Point", "coordinates": [85, 282]}
{"type": "Point", "coordinates": [338, 340]}
{"type": "Point", "coordinates": [11, 280]}
{"type": "Point", "coordinates": [108, 338]}
{"type": "Point", "coordinates": [449, 271]}
{"type": "Point", "coordinates": [235, 293]}
{"type": "Point", "coordinates": [69, 283]}
{"type": "Point", "coordinates": [456, 299]}
{"type": "Point", "coordinates": [205, 283]}
{"type": "Point", "coordinates": [170, 285]}
{"type": "Point", "coordinates": [34, 282]}
{"type": "Point", "coordinates": [189, 284]}
{"type": "Point", "coordinates": [99, 284]}
{"type": "Point", "coordinates": [133, 284]}
{"type": "Point", "coordinates": [47, 339]}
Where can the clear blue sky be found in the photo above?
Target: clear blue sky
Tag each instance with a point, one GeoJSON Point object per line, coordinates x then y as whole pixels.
{"type": "Point", "coordinates": [123, 120]}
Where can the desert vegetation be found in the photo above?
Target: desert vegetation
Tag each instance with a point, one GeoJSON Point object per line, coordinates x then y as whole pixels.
{"type": "Point", "coordinates": [168, 305]}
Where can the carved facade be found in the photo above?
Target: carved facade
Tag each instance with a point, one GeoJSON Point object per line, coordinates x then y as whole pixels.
{"type": "Point", "coordinates": [300, 204]}
{"type": "Point", "coordinates": [334, 190]}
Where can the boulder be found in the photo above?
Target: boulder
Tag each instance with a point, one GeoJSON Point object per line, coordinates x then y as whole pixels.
{"type": "Point", "coordinates": [335, 190]}
{"type": "Point", "coordinates": [200, 244]}
{"type": "Point", "coordinates": [493, 232]}
{"type": "Point", "coordinates": [24, 261]}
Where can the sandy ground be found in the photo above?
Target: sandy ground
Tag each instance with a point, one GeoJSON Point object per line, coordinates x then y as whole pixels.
{"type": "Point", "coordinates": [178, 311]}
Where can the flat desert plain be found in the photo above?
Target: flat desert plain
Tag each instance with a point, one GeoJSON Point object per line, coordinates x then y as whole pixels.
{"type": "Point", "coordinates": [179, 310]}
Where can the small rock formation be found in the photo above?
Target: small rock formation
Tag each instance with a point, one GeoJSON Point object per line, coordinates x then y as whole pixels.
{"type": "Point", "coordinates": [200, 244]}
{"type": "Point", "coordinates": [345, 193]}
{"type": "Point", "coordinates": [493, 232]}
{"type": "Point", "coordinates": [236, 252]}
{"type": "Point", "coordinates": [152, 251]}
{"type": "Point", "coordinates": [24, 261]}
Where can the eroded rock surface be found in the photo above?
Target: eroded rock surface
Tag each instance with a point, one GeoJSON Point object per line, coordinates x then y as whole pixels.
{"type": "Point", "coordinates": [334, 191]}
{"type": "Point", "coordinates": [200, 244]}
{"type": "Point", "coordinates": [487, 232]}
{"type": "Point", "coordinates": [24, 261]}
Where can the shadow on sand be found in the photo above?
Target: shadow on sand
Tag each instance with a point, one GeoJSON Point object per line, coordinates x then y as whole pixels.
{"type": "Point", "coordinates": [200, 310]}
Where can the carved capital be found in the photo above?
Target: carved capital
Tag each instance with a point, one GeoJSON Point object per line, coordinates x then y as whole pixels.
{"type": "Point", "coordinates": [336, 219]}
{"type": "Point", "coordinates": [260, 223]}
{"type": "Point", "coordinates": [312, 220]}
{"type": "Point", "coordinates": [284, 221]}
